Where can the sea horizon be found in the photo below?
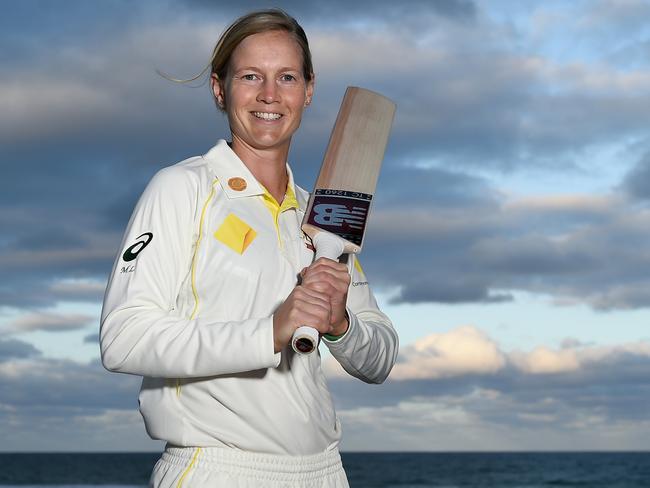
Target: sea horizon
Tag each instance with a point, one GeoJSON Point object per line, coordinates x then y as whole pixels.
{"type": "Point", "coordinates": [365, 469]}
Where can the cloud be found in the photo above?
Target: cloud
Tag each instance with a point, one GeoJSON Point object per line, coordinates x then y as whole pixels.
{"type": "Point", "coordinates": [464, 350]}
{"type": "Point", "coordinates": [91, 339]}
{"type": "Point", "coordinates": [75, 429]}
{"type": "Point", "coordinates": [49, 322]}
{"type": "Point", "coordinates": [30, 105]}
{"type": "Point", "coordinates": [468, 101]}
{"type": "Point", "coordinates": [460, 391]}
{"type": "Point", "coordinates": [13, 348]}
{"type": "Point", "coordinates": [575, 248]}
{"type": "Point", "coordinates": [339, 11]}
{"type": "Point", "coordinates": [464, 359]}
{"type": "Point", "coordinates": [87, 122]}
{"type": "Point", "coordinates": [454, 390]}
{"type": "Point", "coordinates": [637, 182]}
{"type": "Point", "coordinates": [482, 420]}
{"type": "Point", "coordinates": [543, 360]}
{"type": "Point", "coordinates": [36, 382]}
{"type": "Point", "coordinates": [609, 29]}
{"type": "Point", "coordinates": [620, 16]}
{"type": "Point", "coordinates": [78, 290]}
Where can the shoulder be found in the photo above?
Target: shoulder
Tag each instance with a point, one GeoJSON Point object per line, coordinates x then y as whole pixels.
{"type": "Point", "coordinates": [188, 177]}
{"type": "Point", "coordinates": [183, 172]}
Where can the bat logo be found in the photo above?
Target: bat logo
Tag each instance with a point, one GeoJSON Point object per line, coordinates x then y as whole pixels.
{"type": "Point", "coordinates": [335, 215]}
{"type": "Point", "coordinates": [341, 212]}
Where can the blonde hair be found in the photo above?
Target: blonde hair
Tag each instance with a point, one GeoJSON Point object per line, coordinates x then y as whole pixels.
{"type": "Point", "coordinates": [254, 22]}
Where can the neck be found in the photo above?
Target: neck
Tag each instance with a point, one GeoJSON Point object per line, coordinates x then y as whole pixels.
{"type": "Point", "coordinates": [268, 166]}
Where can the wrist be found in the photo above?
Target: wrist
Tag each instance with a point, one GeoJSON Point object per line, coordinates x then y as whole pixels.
{"type": "Point", "coordinates": [339, 330]}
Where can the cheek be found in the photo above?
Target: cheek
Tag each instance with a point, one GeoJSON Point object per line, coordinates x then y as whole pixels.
{"type": "Point", "coordinates": [296, 101]}
{"type": "Point", "coordinates": [236, 97]}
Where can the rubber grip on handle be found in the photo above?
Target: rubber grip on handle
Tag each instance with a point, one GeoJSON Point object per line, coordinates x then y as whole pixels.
{"type": "Point", "coordinates": [305, 338]}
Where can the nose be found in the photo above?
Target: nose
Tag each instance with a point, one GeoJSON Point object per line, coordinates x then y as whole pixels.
{"type": "Point", "coordinates": [268, 92]}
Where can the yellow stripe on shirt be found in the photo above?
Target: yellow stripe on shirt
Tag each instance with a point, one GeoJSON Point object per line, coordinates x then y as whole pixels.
{"type": "Point", "coordinates": [194, 256]}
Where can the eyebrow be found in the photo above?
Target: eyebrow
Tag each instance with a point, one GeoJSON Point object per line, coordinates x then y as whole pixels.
{"type": "Point", "coordinates": [254, 68]}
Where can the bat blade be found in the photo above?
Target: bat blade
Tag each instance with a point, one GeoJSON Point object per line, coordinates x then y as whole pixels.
{"type": "Point", "coordinates": [339, 206]}
{"type": "Point", "coordinates": [342, 197]}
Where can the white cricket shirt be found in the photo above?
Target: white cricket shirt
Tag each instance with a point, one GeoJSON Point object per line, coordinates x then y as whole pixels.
{"type": "Point", "coordinates": [206, 259]}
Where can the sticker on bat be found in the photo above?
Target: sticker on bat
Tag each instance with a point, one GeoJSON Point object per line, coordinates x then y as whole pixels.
{"type": "Point", "coordinates": [344, 215]}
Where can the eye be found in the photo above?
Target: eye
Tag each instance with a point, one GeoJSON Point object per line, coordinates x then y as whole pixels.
{"type": "Point", "coordinates": [249, 77]}
{"type": "Point", "coordinates": [287, 77]}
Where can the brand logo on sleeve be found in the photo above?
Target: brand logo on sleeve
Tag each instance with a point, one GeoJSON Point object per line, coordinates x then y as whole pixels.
{"type": "Point", "coordinates": [132, 251]}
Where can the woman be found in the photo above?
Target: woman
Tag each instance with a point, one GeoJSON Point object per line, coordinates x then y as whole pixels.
{"type": "Point", "coordinates": [204, 296]}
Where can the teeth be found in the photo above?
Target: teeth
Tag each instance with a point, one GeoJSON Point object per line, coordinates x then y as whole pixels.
{"type": "Point", "coordinates": [267, 116]}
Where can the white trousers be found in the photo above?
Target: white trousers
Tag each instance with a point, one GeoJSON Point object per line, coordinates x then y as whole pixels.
{"type": "Point", "coordinates": [202, 467]}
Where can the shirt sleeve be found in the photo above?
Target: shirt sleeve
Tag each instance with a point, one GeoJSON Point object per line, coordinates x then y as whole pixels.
{"type": "Point", "coordinates": [142, 332]}
{"type": "Point", "coordinates": [368, 349]}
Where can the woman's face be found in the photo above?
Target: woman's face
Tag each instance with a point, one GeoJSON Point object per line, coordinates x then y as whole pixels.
{"type": "Point", "coordinates": [265, 91]}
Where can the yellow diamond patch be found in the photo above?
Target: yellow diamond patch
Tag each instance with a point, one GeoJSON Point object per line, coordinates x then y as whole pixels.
{"type": "Point", "coordinates": [235, 233]}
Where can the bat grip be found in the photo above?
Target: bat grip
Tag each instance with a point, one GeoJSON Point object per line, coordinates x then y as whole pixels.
{"type": "Point", "coordinates": [305, 338]}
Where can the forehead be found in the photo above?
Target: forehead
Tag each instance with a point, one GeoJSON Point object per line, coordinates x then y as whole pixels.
{"type": "Point", "coordinates": [267, 49]}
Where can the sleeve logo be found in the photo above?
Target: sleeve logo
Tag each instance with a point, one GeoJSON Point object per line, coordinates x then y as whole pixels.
{"type": "Point", "coordinates": [132, 251]}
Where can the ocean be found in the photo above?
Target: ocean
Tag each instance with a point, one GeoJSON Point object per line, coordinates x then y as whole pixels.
{"type": "Point", "coordinates": [365, 470]}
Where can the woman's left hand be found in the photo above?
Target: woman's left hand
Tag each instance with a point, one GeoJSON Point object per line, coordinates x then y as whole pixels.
{"type": "Point", "coordinates": [331, 278]}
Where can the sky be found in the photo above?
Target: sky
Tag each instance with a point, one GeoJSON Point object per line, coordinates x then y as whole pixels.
{"type": "Point", "coordinates": [508, 241]}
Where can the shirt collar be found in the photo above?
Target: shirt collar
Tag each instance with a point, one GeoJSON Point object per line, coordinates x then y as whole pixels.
{"type": "Point", "coordinates": [237, 181]}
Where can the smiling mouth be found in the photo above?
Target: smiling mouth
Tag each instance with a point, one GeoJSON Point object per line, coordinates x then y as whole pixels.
{"type": "Point", "coordinates": [267, 115]}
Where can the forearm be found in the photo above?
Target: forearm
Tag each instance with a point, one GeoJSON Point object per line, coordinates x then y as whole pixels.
{"type": "Point", "coordinates": [369, 347]}
{"type": "Point", "coordinates": [150, 342]}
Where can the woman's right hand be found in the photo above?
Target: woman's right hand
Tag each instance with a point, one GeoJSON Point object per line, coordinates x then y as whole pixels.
{"type": "Point", "coordinates": [303, 306]}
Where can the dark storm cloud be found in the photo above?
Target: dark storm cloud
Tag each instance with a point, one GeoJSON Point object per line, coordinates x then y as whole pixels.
{"type": "Point", "coordinates": [409, 186]}
{"type": "Point", "coordinates": [48, 238]}
{"type": "Point", "coordinates": [449, 291]}
{"type": "Point", "coordinates": [517, 400]}
{"type": "Point", "coordinates": [52, 405]}
{"type": "Point", "coordinates": [452, 238]}
{"type": "Point", "coordinates": [37, 274]}
{"type": "Point", "coordinates": [337, 10]}
{"type": "Point", "coordinates": [66, 384]}
{"type": "Point", "coordinates": [13, 348]}
{"type": "Point", "coordinates": [91, 339]}
{"type": "Point", "coordinates": [637, 181]}
{"type": "Point", "coordinates": [86, 125]}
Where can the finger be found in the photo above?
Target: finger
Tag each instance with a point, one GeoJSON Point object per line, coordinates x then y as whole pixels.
{"type": "Point", "coordinates": [327, 275]}
{"type": "Point", "coordinates": [310, 296]}
{"type": "Point", "coordinates": [317, 315]}
{"type": "Point", "coordinates": [324, 265]}
{"type": "Point", "coordinates": [328, 263]}
{"type": "Point", "coordinates": [327, 282]}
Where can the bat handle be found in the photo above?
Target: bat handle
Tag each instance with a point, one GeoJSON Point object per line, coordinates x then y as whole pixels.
{"type": "Point", "coordinates": [305, 338]}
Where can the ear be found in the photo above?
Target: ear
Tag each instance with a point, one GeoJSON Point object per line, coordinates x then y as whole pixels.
{"type": "Point", "coordinates": [218, 91]}
{"type": "Point", "coordinates": [309, 90]}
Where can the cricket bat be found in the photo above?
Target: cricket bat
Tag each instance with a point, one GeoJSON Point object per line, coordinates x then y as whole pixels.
{"type": "Point", "coordinates": [339, 206]}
